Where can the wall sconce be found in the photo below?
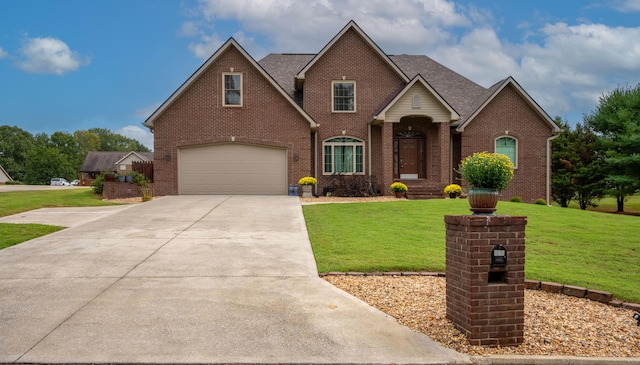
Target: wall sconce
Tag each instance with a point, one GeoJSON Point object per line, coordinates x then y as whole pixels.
{"type": "Point", "coordinates": [296, 156]}
{"type": "Point", "coordinates": [167, 155]}
{"type": "Point", "coordinates": [344, 132]}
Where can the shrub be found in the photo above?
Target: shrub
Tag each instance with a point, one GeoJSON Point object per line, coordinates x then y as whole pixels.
{"type": "Point", "coordinates": [516, 199]}
{"type": "Point", "coordinates": [98, 184]}
{"type": "Point", "coordinates": [541, 201]}
{"type": "Point", "coordinates": [352, 186]}
{"type": "Point", "coordinates": [452, 189]}
{"type": "Point", "coordinates": [307, 180]}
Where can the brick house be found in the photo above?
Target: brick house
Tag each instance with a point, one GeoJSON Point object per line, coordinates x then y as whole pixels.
{"type": "Point", "coordinates": [240, 126]}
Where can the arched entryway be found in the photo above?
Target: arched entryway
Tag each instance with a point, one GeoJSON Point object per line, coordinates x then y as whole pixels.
{"type": "Point", "coordinates": [409, 155]}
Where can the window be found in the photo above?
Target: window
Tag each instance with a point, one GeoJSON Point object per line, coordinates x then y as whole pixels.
{"type": "Point", "coordinates": [508, 146]}
{"type": "Point", "coordinates": [343, 155]}
{"type": "Point", "coordinates": [344, 96]}
{"type": "Point", "coordinates": [232, 89]}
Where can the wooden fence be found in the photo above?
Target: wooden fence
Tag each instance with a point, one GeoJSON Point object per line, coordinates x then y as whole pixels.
{"type": "Point", "coordinates": [143, 167]}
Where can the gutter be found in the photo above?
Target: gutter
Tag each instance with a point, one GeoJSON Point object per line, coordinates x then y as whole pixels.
{"type": "Point", "coordinates": [549, 152]}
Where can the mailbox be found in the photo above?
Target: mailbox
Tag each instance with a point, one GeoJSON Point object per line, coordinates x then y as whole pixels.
{"type": "Point", "coordinates": [498, 256]}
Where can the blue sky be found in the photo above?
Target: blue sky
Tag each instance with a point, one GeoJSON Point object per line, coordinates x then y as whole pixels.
{"type": "Point", "coordinates": [76, 64]}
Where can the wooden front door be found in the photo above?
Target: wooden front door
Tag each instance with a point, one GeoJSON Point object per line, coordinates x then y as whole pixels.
{"type": "Point", "coordinates": [409, 156]}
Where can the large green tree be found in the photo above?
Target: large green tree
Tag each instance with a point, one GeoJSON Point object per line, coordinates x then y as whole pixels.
{"type": "Point", "coordinates": [44, 163]}
{"type": "Point", "coordinates": [589, 168]}
{"type": "Point", "coordinates": [110, 141]}
{"type": "Point", "coordinates": [563, 188]}
{"type": "Point", "coordinates": [616, 121]}
{"type": "Point", "coordinates": [15, 145]}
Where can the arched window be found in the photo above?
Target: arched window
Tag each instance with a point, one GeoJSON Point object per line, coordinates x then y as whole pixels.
{"type": "Point", "coordinates": [508, 145]}
{"type": "Point", "coordinates": [343, 155]}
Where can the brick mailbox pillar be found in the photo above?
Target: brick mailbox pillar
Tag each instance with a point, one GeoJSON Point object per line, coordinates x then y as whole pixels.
{"type": "Point", "coordinates": [485, 301]}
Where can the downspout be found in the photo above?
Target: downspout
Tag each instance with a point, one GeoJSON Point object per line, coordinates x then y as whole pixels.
{"type": "Point", "coordinates": [315, 157]}
{"type": "Point", "coordinates": [549, 152]}
{"type": "Point", "coordinates": [369, 152]}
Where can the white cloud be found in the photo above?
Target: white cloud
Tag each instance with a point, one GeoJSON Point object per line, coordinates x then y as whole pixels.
{"type": "Point", "coordinates": [140, 134]}
{"type": "Point", "coordinates": [49, 55]}
{"type": "Point", "coordinates": [146, 111]}
{"type": "Point", "coordinates": [3, 53]}
{"type": "Point", "coordinates": [564, 67]}
{"type": "Point", "coordinates": [627, 6]}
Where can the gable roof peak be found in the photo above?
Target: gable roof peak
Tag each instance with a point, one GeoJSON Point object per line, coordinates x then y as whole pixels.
{"type": "Point", "coordinates": [231, 42]}
{"type": "Point", "coordinates": [350, 26]}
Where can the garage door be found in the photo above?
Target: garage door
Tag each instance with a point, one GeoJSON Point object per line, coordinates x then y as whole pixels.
{"type": "Point", "coordinates": [232, 169]}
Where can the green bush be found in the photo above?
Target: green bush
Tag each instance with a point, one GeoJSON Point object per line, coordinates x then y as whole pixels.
{"type": "Point", "coordinates": [541, 201]}
{"type": "Point", "coordinates": [98, 184]}
{"type": "Point", "coordinates": [516, 199]}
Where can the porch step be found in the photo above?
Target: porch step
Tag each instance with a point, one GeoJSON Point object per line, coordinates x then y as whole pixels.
{"type": "Point", "coordinates": [423, 190]}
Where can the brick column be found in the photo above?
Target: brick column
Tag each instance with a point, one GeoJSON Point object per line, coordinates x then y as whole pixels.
{"type": "Point", "coordinates": [484, 303]}
{"type": "Point", "coordinates": [444, 139]}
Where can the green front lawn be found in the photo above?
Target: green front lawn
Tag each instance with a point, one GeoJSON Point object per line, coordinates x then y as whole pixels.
{"type": "Point", "coordinates": [570, 246]}
{"type": "Point", "coordinates": [18, 202]}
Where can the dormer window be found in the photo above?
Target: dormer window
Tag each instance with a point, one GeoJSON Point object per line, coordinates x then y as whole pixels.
{"type": "Point", "coordinates": [232, 85]}
{"type": "Point", "coordinates": [344, 96]}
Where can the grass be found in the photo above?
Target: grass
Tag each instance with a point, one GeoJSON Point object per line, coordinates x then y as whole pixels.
{"type": "Point", "coordinates": [609, 205]}
{"type": "Point", "coordinates": [12, 234]}
{"type": "Point", "coordinates": [18, 202]}
{"type": "Point", "coordinates": [570, 246]}
{"type": "Point", "coordinates": [22, 201]}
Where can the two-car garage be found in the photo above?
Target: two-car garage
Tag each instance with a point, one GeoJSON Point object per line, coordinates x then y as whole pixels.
{"type": "Point", "coordinates": [232, 168]}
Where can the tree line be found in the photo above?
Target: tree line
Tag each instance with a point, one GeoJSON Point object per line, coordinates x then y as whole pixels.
{"type": "Point", "coordinates": [601, 156]}
{"type": "Point", "coordinates": [35, 159]}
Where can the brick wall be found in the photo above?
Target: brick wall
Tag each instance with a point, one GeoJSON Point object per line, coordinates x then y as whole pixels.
{"type": "Point", "coordinates": [376, 82]}
{"type": "Point", "coordinates": [509, 113]}
{"type": "Point", "coordinates": [197, 117]}
{"type": "Point", "coordinates": [484, 303]}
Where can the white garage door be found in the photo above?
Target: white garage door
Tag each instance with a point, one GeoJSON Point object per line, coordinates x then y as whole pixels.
{"type": "Point", "coordinates": [232, 169]}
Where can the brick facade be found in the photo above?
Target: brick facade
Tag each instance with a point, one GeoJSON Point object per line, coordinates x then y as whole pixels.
{"type": "Point", "coordinates": [270, 117]}
{"type": "Point", "coordinates": [484, 303]}
{"type": "Point", "coordinates": [510, 115]}
{"type": "Point", "coordinates": [197, 117]}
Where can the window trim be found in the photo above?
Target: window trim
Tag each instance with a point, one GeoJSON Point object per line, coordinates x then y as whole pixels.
{"type": "Point", "coordinates": [333, 96]}
{"type": "Point", "coordinates": [330, 143]}
{"type": "Point", "coordinates": [495, 147]}
{"type": "Point", "coordinates": [224, 89]}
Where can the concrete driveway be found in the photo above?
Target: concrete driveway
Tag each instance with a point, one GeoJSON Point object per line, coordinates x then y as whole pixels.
{"type": "Point", "coordinates": [189, 279]}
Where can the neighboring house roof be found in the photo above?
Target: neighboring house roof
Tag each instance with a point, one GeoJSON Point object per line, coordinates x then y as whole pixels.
{"type": "Point", "coordinates": [5, 174]}
{"type": "Point", "coordinates": [495, 90]}
{"type": "Point", "coordinates": [230, 43]}
{"type": "Point", "coordinates": [106, 161]}
{"type": "Point", "coordinates": [139, 155]}
{"type": "Point", "coordinates": [350, 26]}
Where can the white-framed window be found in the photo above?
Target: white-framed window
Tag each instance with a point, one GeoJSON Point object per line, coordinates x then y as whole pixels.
{"type": "Point", "coordinates": [232, 89]}
{"type": "Point", "coordinates": [343, 96]}
{"type": "Point", "coordinates": [343, 155]}
{"type": "Point", "coordinates": [508, 145]}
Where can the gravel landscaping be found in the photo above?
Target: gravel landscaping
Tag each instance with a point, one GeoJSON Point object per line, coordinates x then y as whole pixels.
{"type": "Point", "coordinates": [554, 324]}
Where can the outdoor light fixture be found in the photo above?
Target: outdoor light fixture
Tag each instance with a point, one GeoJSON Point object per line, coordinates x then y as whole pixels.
{"type": "Point", "coordinates": [636, 316]}
{"type": "Point", "coordinates": [167, 155]}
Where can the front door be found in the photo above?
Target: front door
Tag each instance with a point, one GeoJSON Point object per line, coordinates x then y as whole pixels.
{"type": "Point", "coordinates": [409, 156]}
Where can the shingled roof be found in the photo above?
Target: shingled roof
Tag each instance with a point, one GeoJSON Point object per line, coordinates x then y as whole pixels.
{"type": "Point", "coordinates": [464, 95]}
{"type": "Point", "coordinates": [99, 161]}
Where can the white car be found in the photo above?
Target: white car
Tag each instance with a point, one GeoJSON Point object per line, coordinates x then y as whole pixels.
{"type": "Point", "coordinates": [58, 181]}
{"type": "Point", "coordinates": [74, 182]}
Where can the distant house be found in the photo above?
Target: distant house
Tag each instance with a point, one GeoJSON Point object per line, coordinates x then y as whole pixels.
{"type": "Point", "coordinates": [241, 126]}
{"type": "Point", "coordinates": [116, 162]}
{"type": "Point", "coordinates": [4, 176]}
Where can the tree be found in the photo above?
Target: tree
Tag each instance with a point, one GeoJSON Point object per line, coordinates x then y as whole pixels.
{"type": "Point", "coordinates": [562, 183]}
{"type": "Point", "coordinates": [110, 141]}
{"type": "Point", "coordinates": [15, 144]}
{"type": "Point", "coordinates": [68, 146]}
{"type": "Point", "coordinates": [616, 121]}
{"type": "Point", "coordinates": [44, 163]}
{"type": "Point", "coordinates": [589, 169]}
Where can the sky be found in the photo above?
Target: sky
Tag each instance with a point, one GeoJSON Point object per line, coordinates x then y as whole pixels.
{"type": "Point", "coordinates": [68, 65]}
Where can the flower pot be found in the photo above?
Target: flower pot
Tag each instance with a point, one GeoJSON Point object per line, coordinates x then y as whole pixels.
{"type": "Point", "coordinates": [399, 194]}
{"type": "Point", "coordinates": [306, 191]}
{"type": "Point", "coordinates": [483, 201]}
{"type": "Point", "coordinates": [452, 195]}
{"type": "Point", "coordinates": [121, 178]}
{"type": "Point", "coordinates": [109, 177]}
{"type": "Point", "coordinates": [128, 178]}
